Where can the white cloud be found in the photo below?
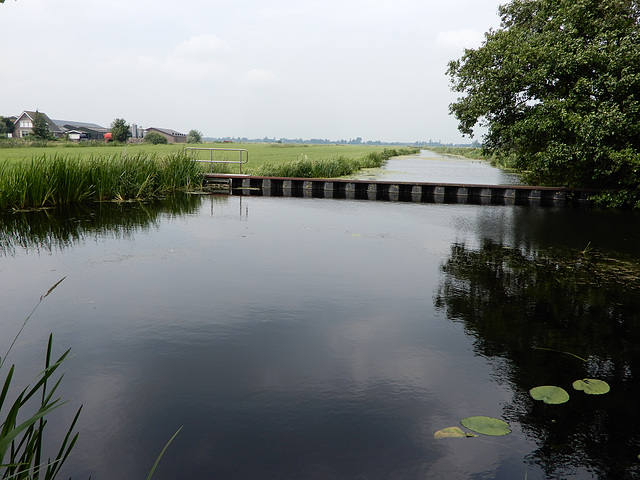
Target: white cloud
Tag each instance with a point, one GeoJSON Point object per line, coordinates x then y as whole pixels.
{"type": "Point", "coordinates": [258, 76]}
{"type": "Point", "coordinates": [164, 70]}
{"type": "Point", "coordinates": [201, 47]}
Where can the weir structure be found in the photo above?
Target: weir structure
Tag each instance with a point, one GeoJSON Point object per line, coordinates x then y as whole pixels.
{"type": "Point", "coordinates": [391, 191]}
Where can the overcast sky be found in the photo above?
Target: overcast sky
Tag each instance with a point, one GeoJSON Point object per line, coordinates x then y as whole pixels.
{"type": "Point", "coordinates": [243, 68]}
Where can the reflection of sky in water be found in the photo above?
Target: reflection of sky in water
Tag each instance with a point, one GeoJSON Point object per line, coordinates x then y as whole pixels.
{"type": "Point", "coordinates": [292, 338]}
{"type": "Point", "coordinates": [435, 168]}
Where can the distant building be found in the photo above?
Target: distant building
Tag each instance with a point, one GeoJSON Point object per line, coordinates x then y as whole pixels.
{"type": "Point", "coordinates": [24, 125]}
{"type": "Point", "coordinates": [77, 131]}
{"type": "Point", "coordinates": [171, 135]}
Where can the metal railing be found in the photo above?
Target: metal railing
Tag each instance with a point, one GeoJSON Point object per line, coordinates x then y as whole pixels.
{"type": "Point", "coordinates": [241, 151]}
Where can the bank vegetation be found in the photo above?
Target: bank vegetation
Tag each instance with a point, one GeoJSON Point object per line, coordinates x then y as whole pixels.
{"type": "Point", "coordinates": [62, 179]}
{"type": "Point", "coordinates": [49, 180]}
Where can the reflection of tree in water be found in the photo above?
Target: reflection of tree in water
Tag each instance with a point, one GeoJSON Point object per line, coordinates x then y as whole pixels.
{"type": "Point", "coordinates": [513, 301]}
{"type": "Point", "coordinates": [57, 229]}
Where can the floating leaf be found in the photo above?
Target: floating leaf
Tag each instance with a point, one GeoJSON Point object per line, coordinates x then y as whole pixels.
{"type": "Point", "coordinates": [486, 425]}
{"type": "Point", "coordinates": [550, 394]}
{"type": "Point", "coordinates": [452, 432]}
{"type": "Point", "coordinates": [592, 386]}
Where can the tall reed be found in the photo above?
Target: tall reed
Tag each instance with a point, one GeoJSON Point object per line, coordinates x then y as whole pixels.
{"type": "Point", "coordinates": [62, 180]}
{"type": "Point", "coordinates": [21, 440]}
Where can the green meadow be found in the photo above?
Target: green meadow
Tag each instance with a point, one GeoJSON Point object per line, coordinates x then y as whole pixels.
{"type": "Point", "coordinates": [62, 174]}
{"type": "Point", "coordinates": [259, 153]}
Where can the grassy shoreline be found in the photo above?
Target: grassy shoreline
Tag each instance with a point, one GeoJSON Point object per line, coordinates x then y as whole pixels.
{"type": "Point", "coordinates": [466, 152]}
{"type": "Point", "coordinates": [63, 180]}
{"type": "Point", "coordinates": [52, 178]}
{"type": "Point", "coordinates": [334, 167]}
{"type": "Point", "coordinates": [474, 153]}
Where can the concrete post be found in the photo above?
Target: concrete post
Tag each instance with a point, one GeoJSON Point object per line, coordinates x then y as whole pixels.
{"type": "Point", "coordinates": [372, 191]}
{"type": "Point", "coordinates": [394, 193]}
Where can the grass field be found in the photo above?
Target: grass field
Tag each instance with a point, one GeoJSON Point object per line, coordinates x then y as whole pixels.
{"type": "Point", "coordinates": [259, 153]}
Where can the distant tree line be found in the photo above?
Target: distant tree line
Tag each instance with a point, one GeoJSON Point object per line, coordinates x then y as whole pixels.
{"type": "Point", "coordinates": [321, 141]}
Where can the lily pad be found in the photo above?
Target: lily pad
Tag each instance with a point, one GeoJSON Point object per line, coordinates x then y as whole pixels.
{"type": "Point", "coordinates": [452, 432]}
{"type": "Point", "coordinates": [592, 386]}
{"type": "Point", "coordinates": [550, 394]}
{"type": "Point", "coordinates": [486, 425]}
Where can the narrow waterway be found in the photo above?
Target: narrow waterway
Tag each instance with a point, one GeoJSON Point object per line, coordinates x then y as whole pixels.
{"type": "Point", "coordinates": [319, 338]}
{"type": "Point", "coordinates": [428, 166]}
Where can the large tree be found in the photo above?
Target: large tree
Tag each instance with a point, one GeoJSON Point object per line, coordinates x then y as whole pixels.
{"type": "Point", "coordinates": [40, 129]}
{"type": "Point", "coordinates": [194, 136]}
{"type": "Point", "coordinates": [120, 130]}
{"type": "Point", "coordinates": [6, 125]}
{"type": "Point", "coordinates": [558, 88]}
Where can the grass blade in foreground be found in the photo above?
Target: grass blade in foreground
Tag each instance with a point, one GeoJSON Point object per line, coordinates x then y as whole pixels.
{"type": "Point", "coordinates": [21, 443]}
{"type": "Point", "coordinates": [153, 469]}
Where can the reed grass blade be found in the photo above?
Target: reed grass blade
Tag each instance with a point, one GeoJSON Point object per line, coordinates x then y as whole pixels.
{"type": "Point", "coordinates": [155, 465]}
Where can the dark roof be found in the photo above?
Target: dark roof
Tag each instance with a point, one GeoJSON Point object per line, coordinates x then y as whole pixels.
{"type": "Point", "coordinates": [97, 129]}
{"type": "Point", "coordinates": [71, 125]}
{"type": "Point", "coordinates": [71, 128]}
{"type": "Point", "coordinates": [167, 131]}
{"type": "Point", "coordinates": [52, 125]}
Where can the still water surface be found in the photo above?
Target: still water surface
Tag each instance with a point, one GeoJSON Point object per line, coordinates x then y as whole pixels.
{"type": "Point", "coordinates": [428, 166]}
{"type": "Point", "coordinates": [329, 339]}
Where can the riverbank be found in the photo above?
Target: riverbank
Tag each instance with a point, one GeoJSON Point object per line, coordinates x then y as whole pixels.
{"type": "Point", "coordinates": [53, 179]}
{"type": "Point", "coordinates": [474, 153]}
{"type": "Point", "coordinates": [62, 180]}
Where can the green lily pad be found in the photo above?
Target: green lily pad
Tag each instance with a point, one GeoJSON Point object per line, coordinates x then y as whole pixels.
{"type": "Point", "coordinates": [452, 432]}
{"type": "Point", "coordinates": [550, 394]}
{"type": "Point", "coordinates": [592, 386]}
{"type": "Point", "coordinates": [486, 425]}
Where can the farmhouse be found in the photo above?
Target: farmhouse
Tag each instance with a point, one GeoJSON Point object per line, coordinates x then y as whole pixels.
{"type": "Point", "coordinates": [171, 135]}
{"type": "Point", "coordinates": [77, 131]}
{"type": "Point", "coordinates": [24, 125]}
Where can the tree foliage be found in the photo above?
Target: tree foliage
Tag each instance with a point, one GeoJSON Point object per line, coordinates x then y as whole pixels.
{"type": "Point", "coordinates": [558, 87]}
{"type": "Point", "coordinates": [155, 138]}
{"type": "Point", "coordinates": [194, 136]}
{"type": "Point", "coordinates": [40, 129]}
{"type": "Point", "coordinates": [120, 130]}
{"type": "Point", "coordinates": [6, 125]}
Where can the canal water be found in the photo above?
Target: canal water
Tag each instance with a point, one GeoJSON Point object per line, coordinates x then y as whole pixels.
{"type": "Point", "coordinates": [296, 338]}
{"type": "Point", "coordinates": [428, 166]}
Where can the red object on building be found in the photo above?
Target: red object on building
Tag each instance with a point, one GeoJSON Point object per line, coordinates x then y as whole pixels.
{"type": "Point", "coordinates": [108, 137]}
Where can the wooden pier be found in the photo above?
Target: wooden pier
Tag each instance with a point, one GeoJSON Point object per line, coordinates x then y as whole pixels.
{"type": "Point", "coordinates": [418, 192]}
